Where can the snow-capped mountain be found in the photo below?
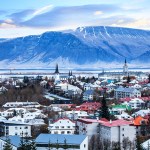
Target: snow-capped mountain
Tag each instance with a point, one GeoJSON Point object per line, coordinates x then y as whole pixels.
{"type": "Point", "coordinates": [84, 46]}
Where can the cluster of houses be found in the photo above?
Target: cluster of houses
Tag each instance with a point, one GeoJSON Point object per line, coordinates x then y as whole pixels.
{"type": "Point", "coordinates": [75, 124]}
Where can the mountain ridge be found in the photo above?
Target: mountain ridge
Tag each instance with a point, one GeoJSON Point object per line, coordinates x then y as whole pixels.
{"type": "Point", "coordinates": [80, 47]}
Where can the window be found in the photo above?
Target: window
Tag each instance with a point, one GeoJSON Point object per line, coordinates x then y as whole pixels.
{"type": "Point", "coordinates": [26, 127]}
{"type": "Point", "coordinates": [62, 126]}
{"type": "Point", "coordinates": [122, 134]}
{"type": "Point", "coordinates": [62, 132]}
{"type": "Point", "coordinates": [68, 126]}
{"type": "Point", "coordinates": [16, 128]}
{"type": "Point", "coordinates": [57, 127]}
{"type": "Point", "coordinates": [84, 145]}
{"type": "Point", "coordinates": [122, 129]}
{"type": "Point", "coordinates": [68, 132]}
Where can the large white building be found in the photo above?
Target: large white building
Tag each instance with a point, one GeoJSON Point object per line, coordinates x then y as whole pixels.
{"type": "Point", "coordinates": [14, 128]}
{"type": "Point", "coordinates": [88, 127]}
{"type": "Point", "coordinates": [62, 126]}
{"type": "Point", "coordinates": [122, 92]}
{"type": "Point", "coordinates": [116, 131]}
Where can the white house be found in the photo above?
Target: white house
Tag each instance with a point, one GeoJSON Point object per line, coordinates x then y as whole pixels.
{"type": "Point", "coordinates": [65, 87]}
{"type": "Point", "coordinates": [20, 104]}
{"type": "Point", "coordinates": [9, 112]}
{"type": "Point", "coordinates": [122, 92]}
{"type": "Point", "coordinates": [62, 126]}
{"type": "Point", "coordinates": [88, 95]}
{"type": "Point", "coordinates": [124, 116]}
{"type": "Point", "coordinates": [14, 128]}
{"type": "Point", "coordinates": [116, 131]}
{"type": "Point", "coordinates": [75, 114]}
{"type": "Point", "coordinates": [136, 103]}
{"type": "Point", "coordinates": [75, 142]}
{"type": "Point", "coordinates": [142, 113]}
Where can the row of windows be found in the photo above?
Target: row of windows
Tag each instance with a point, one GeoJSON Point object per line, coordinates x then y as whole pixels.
{"type": "Point", "coordinates": [57, 127]}
{"type": "Point", "coordinates": [21, 128]}
{"type": "Point", "coordinates": [62, 132]}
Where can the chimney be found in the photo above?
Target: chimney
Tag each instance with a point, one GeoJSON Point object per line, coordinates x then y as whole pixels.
{"type": "Point", "coordinates": [110, 121]}
{"type": "Point", "coordinates": [97, 118]}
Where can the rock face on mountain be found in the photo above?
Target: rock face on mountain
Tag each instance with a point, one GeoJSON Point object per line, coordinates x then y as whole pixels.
{"type": "Point", "coordinates": [83, 46]}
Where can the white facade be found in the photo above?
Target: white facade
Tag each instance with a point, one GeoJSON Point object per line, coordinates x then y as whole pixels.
{"type": "Point", "coordinates": [62, 126]}
{"type": "Point", "coordinates": [66, 87]}
{"type": "Point", "coordinates": [116, 132]}
{"type": "Point", "coordinates": [15, 128]}
{"type": "Point", "coordinates": [87, 127]}
{"type": "Point", "coordinates": [136, 103]}
{"type": "Point", "coordinates": [76, 114]}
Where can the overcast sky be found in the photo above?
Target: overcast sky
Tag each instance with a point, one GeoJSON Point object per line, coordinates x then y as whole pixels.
{"type": "Point", "coordinates": [26, 17]}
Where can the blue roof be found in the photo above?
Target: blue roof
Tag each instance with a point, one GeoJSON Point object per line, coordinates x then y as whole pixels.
{"type": "Point", "coordinates": [122, 89]}
{"type": "Point", "coordinates": [54, 138]}
{"type": "Point", "coordinates": [89, 92]}
{"type": "Point", "coordinates": [14, 140]}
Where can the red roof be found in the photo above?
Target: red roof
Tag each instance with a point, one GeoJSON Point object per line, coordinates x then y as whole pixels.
{"type": "Point", "coordinates": [89, 106]}
{"type": "Point", "coordinates": [119, 122]}
{"type": "Point", "coordinates": [127, 99]}
{"type": "Point", "coordinates": [89, 121]}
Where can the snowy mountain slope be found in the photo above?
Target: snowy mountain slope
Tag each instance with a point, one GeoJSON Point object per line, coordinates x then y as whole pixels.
{"type": "Point", "coordinates": [83, 46]}
{"type": "Point", "coordinates": [129, 43]}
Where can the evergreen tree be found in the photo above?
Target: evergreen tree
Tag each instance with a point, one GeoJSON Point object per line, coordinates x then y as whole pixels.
{"type": "Point", "coordinates": [26, 79]}
{"type": "Point", "coordinates": [49, 145]}
{"type": "Point", "coordinates": [104, 109]}
{"type": "Point", "coordinates": [65, 144]}
{"type": "Point", "coordinates": [32, 145]}
{"type": "Point", "coordinates": [138, 144]}
{"type": "Point", "coordinates": [7, 145]}
{"type": "Point", "coordinates": [57, 145]}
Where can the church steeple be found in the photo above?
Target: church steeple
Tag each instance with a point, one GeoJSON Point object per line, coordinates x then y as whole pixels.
{"type": "Point", "coordinates": [56, 70]}
{"type": "Point", "coordinates": [125, 67]}
{"type": "Point", "coordinates": [125, 61]}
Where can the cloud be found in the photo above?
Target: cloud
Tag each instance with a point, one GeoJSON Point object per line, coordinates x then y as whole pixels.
{"type": "Point", "coordinates": [98, 13]}
{"type": "Point", "coordinates": [61, 16]}
{"type": "Point", "coordinates": [21, 15]}
{"type": "Point", "coordinates": [42, 10]}
{"type": "Point", "coordinates": [2, 12]}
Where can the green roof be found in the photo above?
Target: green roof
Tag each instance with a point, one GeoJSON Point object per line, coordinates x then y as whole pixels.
{"type": "Point", "coordinates": [122, 107]}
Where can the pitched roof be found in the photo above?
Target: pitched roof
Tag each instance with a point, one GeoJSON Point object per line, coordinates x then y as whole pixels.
{"type": "Point", "coordinates": [137, 121]}
{"type": "Point", "coordinates": [14, 140]}
{"type": "Point", "coordinates": [54, 138]}
{"type": "Point", "coordinates": [114, 123]}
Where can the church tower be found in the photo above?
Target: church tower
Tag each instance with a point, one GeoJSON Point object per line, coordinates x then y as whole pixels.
{"type": "Point", "coordinates": [125, 68]}
{"type": "Point", "coordinates": [56, 69]}
{"type": "Point", "coordinates": [57, 78]}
